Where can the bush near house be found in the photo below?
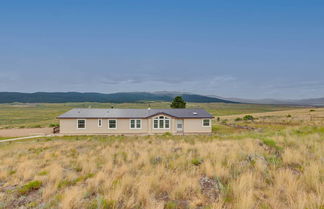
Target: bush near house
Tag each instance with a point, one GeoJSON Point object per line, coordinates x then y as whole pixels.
{"type": "Point", "coordinates": [248, 117]}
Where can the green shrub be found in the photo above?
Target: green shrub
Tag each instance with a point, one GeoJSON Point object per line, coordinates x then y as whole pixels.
{"type": "Point", "coordinates": [54, 125]}
{"type": "Point", "coordinates": [196, 161]}
{"type": "Point", "coordinates": [269, 142]}
{"type": "Point", "coordinates": [238, 119]}
{"type": "Point", "coordinates": [110, 204]}
{"type": "Point", "coordinates": [83, 178]}
{"type": "Point", "coordinates": [248, 117]}
{"type": "Point", "coordinates": [289, 116]}
{"type": "Point", "coordinates": [43, 173]}
{"type": "Point", "coordinates": [170, 205]}
{"type": "Point", "coordinates": [311, 110]}
{"type": "Point", "coordinates": [66, 182]}
{"type": "Point", "coordinates": [274, 160]}
{"type": "Point", "coordinates": [32, 204]}
{"type": "Point", "coordinates": [27, 188]}
{"type": "Point", "coordinates": [77, 168]}
{"type": "Point", "coordinates": [167, 134]}
{"type": "Point", "coordinates": [272, 144]}
{"type": "Point", "coordinates": [215, 128]}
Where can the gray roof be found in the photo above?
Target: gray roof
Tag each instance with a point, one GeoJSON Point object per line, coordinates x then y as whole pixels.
{"type": "Point", "coordinates": [134, 113]}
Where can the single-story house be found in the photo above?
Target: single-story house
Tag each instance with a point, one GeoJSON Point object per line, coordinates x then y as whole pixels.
{"type": "Point", "coordinates": [135, 121]}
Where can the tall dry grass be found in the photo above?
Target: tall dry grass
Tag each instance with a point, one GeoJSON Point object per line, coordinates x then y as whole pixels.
{"type": "Point", "coordinates": [164, 171]}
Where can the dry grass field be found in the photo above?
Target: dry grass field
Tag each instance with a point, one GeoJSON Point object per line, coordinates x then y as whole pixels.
{"type": "Point", "coordinates": [41, 115]}
{"type": "Point", "coordinates": [273, 161]}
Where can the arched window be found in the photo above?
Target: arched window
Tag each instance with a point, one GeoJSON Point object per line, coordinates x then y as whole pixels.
{"type": "Point", "coordinates": [161, 122]}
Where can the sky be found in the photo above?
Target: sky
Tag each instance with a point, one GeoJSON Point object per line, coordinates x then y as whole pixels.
{"type": "Point", "coordinates": [246, 49]}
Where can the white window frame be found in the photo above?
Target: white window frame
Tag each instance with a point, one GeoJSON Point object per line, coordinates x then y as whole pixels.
{"type": "Point", "coordinates": [168, 121]}
{"type": "Point", "coordinates": [182, 124]}
{"type": "Point", "coordinates": [85, 124]}
{"type": "Point", "coordinates": [99, 123]}
{"type": "Point", "coordinates": [202, 122]}
{"type": "Point", "coordinates": [114, 120]}
{"type": "Point", "coordinates": [164, 119]}
{"type": "Point", "coordinates": [157, 124]}
{"type": "Point", "coordinates": [130, 124]}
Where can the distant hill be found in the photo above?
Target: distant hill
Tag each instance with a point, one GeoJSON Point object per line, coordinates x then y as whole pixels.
{"type": "Point", "coordinates": [61, 97]}
{"type": "Point", "coordinates": [303, 102]}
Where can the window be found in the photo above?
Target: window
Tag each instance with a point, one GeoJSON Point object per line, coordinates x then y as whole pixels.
{"type": "Point", "coordinates": [156, 124]}
{"type": "Point", "coordinates": [206, 123]}
{"type": "Point", "coordinates": [81, 124]}
{"type": "Point", "coordinates": [99, 123]}
{"type": "Point", "coordinates": [112, 124]}
{"type": "Point", "coordinates": [132, 123]}
{"type": "Point", "coordinates": [179, 124]}
{"type": "Point", "coordinates": [167, 124]}
{"type": "Point", "coordinates": [135, 124]}
{"type": "Point", "coordinates": [161, 122]}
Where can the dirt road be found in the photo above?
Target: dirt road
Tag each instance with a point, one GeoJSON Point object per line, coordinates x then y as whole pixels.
{"type": "Point", "coordinates": [17, 132]}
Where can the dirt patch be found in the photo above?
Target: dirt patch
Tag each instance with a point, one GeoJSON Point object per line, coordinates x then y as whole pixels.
{"type": "Point", "coordinates": [17, 132]}
{"type": "Point", "coordinates": [242, 127]}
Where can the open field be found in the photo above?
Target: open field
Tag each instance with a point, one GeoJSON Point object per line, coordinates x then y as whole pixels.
{"type": "Point", "coordinates": [43, 115]}
{"type": "Point", "coordinates": [274, 161]}
{"type": "Point", "coordinates": [301, 114]}
{"type": "Point", "coordinates": [275, 121]}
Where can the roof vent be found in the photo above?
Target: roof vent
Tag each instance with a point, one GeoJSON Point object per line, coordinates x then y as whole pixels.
{"type": "Point", "coordinates": [195, 113]}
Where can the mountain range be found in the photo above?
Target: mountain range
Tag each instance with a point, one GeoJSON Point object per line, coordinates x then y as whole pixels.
{"type": "Point", "coordinates": [165, 96]}
{"type": "Point", "coordinates": [61, 97]}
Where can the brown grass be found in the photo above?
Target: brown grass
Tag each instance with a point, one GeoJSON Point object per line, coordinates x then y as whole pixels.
{"type": "Point", "coordinates": [278, 168]}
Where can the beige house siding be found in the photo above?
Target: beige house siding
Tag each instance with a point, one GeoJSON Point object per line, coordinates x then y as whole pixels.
{"type": "Point", "coordinates": [196, 126]}
{"type": "Point", "coordinates": [69, 126]}
{"type": "Point", "coordinates": [190, 126]}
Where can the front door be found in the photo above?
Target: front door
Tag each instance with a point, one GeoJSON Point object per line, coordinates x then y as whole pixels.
{"type": "Point", "coordinates": [179, 125]}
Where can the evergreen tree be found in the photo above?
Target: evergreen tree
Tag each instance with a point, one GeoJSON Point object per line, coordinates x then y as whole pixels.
{"type": "Point", "coordinates": [178, 102]}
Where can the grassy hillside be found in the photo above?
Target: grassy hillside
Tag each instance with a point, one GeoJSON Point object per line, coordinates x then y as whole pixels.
{"type": "Point", "coordinates": [19, 115]}
{"type": "Point", "coordinates": [275, 163]}
{"type": "Point", "coordinates": [62, 97]}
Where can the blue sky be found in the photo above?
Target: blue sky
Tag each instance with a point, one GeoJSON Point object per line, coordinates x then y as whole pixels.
{"type": "Point", "coordinates": [247, 49]}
